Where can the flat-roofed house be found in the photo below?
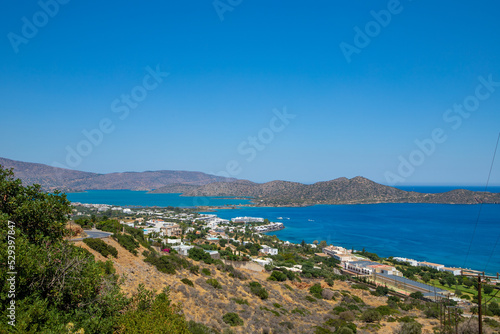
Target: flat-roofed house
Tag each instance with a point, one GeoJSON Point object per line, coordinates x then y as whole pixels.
{"type": "Point", "coordinates": [431, 265]}
{"type": "Point", "coordinates": [269, 250]}
{"type": "Point", "coordinates": [454, 271]}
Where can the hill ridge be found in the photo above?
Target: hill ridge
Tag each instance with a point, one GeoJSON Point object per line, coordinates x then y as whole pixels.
{"type": "Point", "coordinates": [357, 190]}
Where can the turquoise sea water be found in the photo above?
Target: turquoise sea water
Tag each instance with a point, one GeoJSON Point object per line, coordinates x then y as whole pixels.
{"type": "Point", "coordinates": [432, 232]}
{"type": "Point", "coordinates": [142, 198]}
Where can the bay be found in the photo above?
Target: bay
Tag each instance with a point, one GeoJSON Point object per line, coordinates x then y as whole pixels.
{"type": "Point", "coordinates": [143, 198]}
{"type": "Point", "coordinates": [439, 233]}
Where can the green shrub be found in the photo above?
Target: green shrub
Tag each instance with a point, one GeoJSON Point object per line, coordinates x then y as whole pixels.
{"type": "Point", "coordinates": [300, 311]}
{"type": "Point", "coordinates": [339, 309]}
{"type": "Point", "coordinates": [127, 241]}
{"type": "Point", "coordinates": [101, 247]}
{"type": "Point", "coordinates": [347, 316]}
{"type": "Point", "coordinates": [187, 281]}
{"type": "Point", "coordinates": [353, 307]}
{"type": "Point", "coordinates": [214, 283]}
{"type": "Point", "coordinates": [154, 314]}
{"type": "Point", "coordinates": [206, 272]}
{"type": "Point", "coordinates": [232, 319]}
{"type": "Point", "coordinates": [240, 301]}
{"type": "Point", "coordinates": [288, 287]}
{"type": "Point", "coordinates": [277, 276]}
{"type": "Point", "coordinates": [417, 295]}
{"type": "Point", "coordinates": [276, 313]}
{"type": "Point", "coordinates": [410, 328]}
{"type": "Point", "coordinates": [316, 290]}
{"type": "Point", "coordinates": [360, 287]}
{"type": "Point", "coordinates": [381, 290]}
{"type": "Point", "coordinates": [386, 310]}
{"type": "Point", "coordinates": [371, 315]}
{"type": "Point", "coordinates": [168, 263]}
{"type": "Point", "coordinates": [357, 299]}
{"type": "Point", "coordinates": [198, 328]}
{"type": "Point", "coordinates": [311, 299]}
{"type": "Point", "coordinates": [406, 306]}
{"type": "Point", "coordinates": [406, 319]}
{"type": "Point", "coordinates": [322, 330]}
{"type": "Point", "coordinates": [199, 254]}
{"type": "Point", "coordinates": [194, 269]}
{"type": "Point", "coordinates": [277, 305]}
{"type": "Point", "coordinates": [345, 330]}
{"type": "Point", "coordinates": [257, 289]}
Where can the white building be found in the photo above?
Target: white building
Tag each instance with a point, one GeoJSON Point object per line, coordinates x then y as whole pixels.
{"type": "Point", "coordinates": [269, 227]}
{"type": "Point", "coordinates": [173, 241]}
{"type": "Point", "coordinates": [454, 271]}
{"type": "Point", "coordinates": [151, 230]}
{"type": "Point", "coordinates": [338, 253]}
{"type": "Point", "coordinates": [182, 249]}
{"type": "Point", "coordinates": [268, 250]}
{"type": "Point", "coordinates": [131, 224]}
{"type": "Point", "coordinates": [263, 262]}
{"type": "Point", "coordinates": [247, 220]}
{"type": "Point", "coordinates": [403, 259]}
{"type": "Point", "coordinates": [431, 265]}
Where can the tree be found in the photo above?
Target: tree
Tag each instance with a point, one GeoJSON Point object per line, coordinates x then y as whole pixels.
{"type": "Point", "coordinates": [60, 288]}
{"type": "Point", "coordinates": [303, 243]}
{"type": "Point", "coordinates": [222, 242]}
{"type": "Point", "coordinates": [153, 315]}
{"type": "Point", "coordinates": [322, 244]}
{"type": "Point", "coordinates": [315, 242]}
{"type": "Point", "coordinates": [40, 216]}
{"type": "Point", "coordinates": [417, 295]}
{"type": "Point", "coordinates": [488, 289]}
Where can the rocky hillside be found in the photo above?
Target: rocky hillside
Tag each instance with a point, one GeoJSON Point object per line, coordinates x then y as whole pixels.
{"type": "Point", "coordinates": [289, 308]}
{"type": "Point", "coordinates": [51, 178]}
{"type": "Point", "coordinates": [357, 190]}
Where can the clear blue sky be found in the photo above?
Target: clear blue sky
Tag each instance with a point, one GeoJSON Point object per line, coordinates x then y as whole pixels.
{"type": "Point", "coordinates": [227, 76]}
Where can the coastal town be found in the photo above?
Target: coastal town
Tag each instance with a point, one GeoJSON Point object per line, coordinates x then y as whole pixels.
{"type": "Point", "coordinates": [183, 229]}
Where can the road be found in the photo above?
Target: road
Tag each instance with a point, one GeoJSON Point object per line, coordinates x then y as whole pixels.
{"type": "Point", "coordinates": [94, 234]}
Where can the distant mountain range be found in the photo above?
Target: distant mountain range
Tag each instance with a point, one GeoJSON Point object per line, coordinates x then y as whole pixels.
{"type": "Point", "coordinates": [67, 180]}
{"type": "Point", "coordinates": [358, 190]}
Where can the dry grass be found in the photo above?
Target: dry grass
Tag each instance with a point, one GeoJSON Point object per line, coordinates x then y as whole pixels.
{"type": "Point", "coordinates": [202, 303]}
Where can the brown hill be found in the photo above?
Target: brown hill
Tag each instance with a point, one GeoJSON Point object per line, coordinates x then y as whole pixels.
{"type": "Point", "coordinates": [285, 311]}
{"type": "Point", "coordinates": [51, 178]}
{"type": "Point", "coordinates": [358, 190]}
